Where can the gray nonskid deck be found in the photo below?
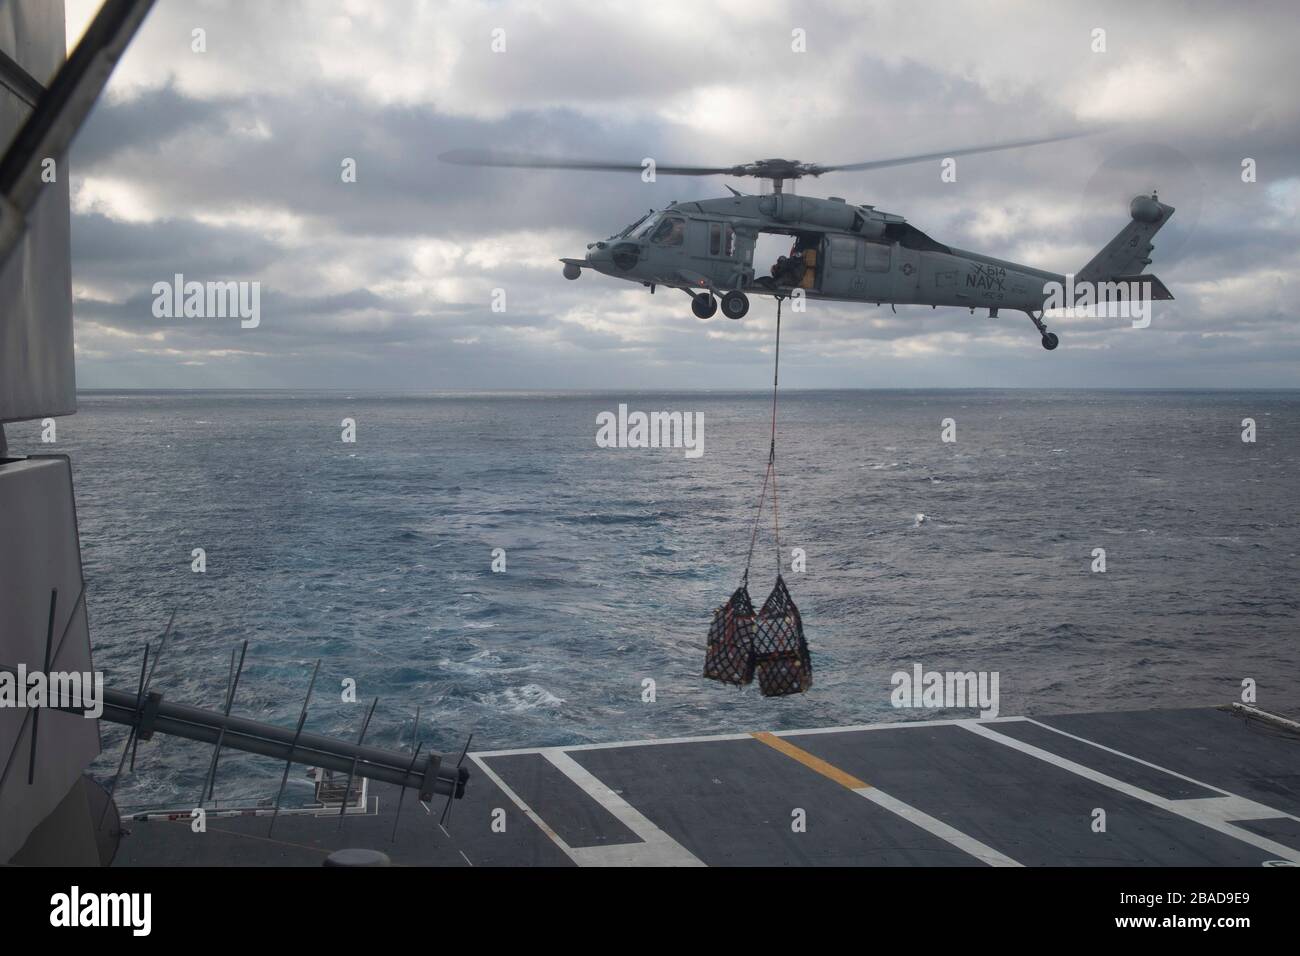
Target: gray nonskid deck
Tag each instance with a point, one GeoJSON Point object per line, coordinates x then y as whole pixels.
{"type": "Point", "coordinates": [1154, 788]}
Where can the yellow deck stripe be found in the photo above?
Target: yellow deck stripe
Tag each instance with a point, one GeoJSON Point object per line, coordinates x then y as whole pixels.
{"type": "Point", "coordinates": [812, 762]}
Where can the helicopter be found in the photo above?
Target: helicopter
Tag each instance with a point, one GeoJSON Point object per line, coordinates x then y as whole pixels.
{"type": "Point", "coordinates": [840, 251]}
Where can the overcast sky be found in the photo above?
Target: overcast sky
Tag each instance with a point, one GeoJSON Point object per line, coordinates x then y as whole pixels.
{"type": "Point", "coordinates": [225, 165]}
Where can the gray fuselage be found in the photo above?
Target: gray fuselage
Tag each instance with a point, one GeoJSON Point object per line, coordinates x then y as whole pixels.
{"type": "Point", "coordinates": [861, 255]}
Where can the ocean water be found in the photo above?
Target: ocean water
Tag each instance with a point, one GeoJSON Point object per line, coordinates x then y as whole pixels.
{"type": "Point", "coordinates": [376, 557]}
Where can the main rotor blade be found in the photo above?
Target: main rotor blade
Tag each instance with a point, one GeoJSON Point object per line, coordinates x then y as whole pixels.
{"type": "Point", "coordinates": [488, 157]}
{"type": "Point", "coordinates": [762, 168]}
{"type": "Point", "coordinates": [816, 170]}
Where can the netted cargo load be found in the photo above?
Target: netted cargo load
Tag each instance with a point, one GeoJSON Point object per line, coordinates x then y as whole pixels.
{"type": "Point", "coordinates": [770, 642]}
{"type": "Point", "coordinates": [780, 651]}
{"type": "Point", "coordinates": [730, 654]}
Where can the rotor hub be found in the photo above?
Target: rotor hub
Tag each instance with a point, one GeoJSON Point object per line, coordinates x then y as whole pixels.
{"type": "Point", "coordinates": [774, 169]}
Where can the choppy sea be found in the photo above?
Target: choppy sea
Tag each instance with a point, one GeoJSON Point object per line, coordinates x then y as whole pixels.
{"type": "Point", "coordinates": [376, 557]}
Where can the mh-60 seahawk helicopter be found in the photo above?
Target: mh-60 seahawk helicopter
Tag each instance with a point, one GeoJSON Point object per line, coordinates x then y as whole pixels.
{"type": "Point", "coordinates": [840, 251]}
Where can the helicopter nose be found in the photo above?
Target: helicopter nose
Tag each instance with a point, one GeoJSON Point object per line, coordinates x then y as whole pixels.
{"type": "Point", "coordinates": [625, 255]}
{"type": "Point", "coordinates": [613, 258]}
{"type": "Point", "coordinates": [598, 254]}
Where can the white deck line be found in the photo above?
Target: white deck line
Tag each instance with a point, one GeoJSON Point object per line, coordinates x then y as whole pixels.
{"type": "Point", "coordinates": [1120, 753]}
{"type": "Point", "coordinates": [892, 725]}
{"type": "Point", "coordinates": [1194, 810]}
{"type": "Point", "coordinates": [525, 808]}
{"type": "Point", "coordinates": [709, 738]}
{"type": "Point", "coordinates": [936, 827]}
{"type": "Point", "coordinates": [1242, 808]}
{"type": "Point", "coordinates": [650, 741]}
{"type": "Point", "coordinates": [657, 848]}
{"type": "Point", "coordinates": [1232, 808]}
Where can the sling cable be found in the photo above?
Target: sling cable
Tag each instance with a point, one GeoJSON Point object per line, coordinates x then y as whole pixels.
{"type": "Point", "coordinates": [770, 642]}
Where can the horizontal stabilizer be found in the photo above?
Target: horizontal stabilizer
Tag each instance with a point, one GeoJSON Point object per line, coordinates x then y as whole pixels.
{"type": "Point", "coordinates": [1153, 288]}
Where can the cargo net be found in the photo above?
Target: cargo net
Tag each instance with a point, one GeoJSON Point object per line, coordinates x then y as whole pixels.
{"type": "Point", "coordinates": [770, 642]}
{"type": "Point", "coordinates": [730, 654]}
{"type": "Point", "coordinates": [780, 651]}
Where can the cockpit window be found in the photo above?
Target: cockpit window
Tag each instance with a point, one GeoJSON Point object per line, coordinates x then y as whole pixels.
{"type": "Point", "coordinates": [635, 225]}
{"type": "Point", "coordinates": [670, 231]}
{"type": "Point", "coordinates": [649, 227]}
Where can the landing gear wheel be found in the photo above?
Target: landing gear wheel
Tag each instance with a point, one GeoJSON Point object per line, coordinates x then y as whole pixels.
{"type": "Point", "coordinates": [572, 270]}
{"type": "Point", "coordinates": [735, 305]}
{"type": "Point", "coordinates": [704, 305]}
{"type": "Point", "coordinates": [1050, 341]}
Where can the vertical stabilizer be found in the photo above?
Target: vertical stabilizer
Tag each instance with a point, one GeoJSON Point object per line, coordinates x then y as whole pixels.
{"type": "Point", "coordinates": [1129, 253]}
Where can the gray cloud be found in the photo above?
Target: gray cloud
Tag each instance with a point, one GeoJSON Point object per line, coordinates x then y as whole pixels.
{"type": "Point", "coordinates": [226, 165]}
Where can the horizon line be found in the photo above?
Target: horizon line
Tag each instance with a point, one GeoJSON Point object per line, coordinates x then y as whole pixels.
{"type": "Point", "coordinates": [473, 389]}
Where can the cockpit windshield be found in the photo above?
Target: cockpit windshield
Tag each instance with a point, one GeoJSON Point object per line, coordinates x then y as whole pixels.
{"type": "Point", "coordinates": [632, 228]}
{"type": "Point", "coordinates": [649, 226]}
{"type": "Point", "coordinates": [670, 231]}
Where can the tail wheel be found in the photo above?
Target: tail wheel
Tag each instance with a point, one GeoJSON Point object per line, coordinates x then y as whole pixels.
{"type": "Point", "coordinates": [704, 305]}
{"type": "Point", "coordinates": [1050, 341]}
{"type": "Point", "coordinates": [735, 305]}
